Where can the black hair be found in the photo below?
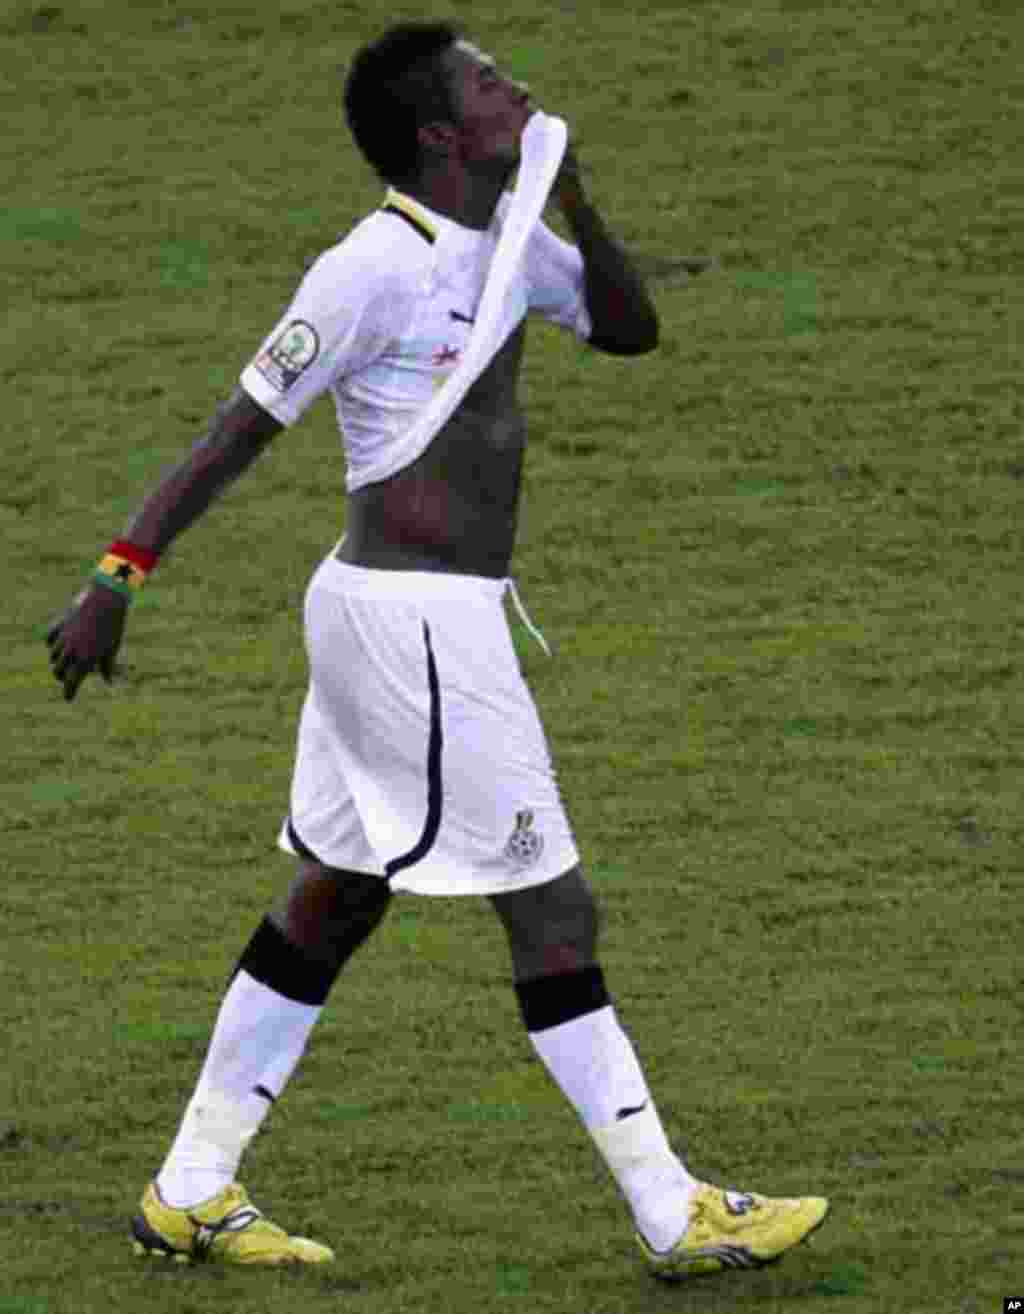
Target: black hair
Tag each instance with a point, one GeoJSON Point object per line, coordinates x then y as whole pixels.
{"type": "Point", "coordinates": [394, 86]}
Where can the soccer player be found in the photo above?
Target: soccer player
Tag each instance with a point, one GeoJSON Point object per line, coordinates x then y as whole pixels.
{"type": "Point", "coordinates": [421, 763]}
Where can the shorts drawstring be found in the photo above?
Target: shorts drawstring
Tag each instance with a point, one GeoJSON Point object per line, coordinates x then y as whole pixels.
{"type": "Point", "coordinates": [525, 618]}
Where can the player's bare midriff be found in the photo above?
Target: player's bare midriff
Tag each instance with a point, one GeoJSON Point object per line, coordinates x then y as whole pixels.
{"type": "Point", "coordinates": [455, 508]}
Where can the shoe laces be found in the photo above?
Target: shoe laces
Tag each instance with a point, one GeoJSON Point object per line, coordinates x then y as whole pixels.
{"type": "Point", "coordinates": [207, 1233]}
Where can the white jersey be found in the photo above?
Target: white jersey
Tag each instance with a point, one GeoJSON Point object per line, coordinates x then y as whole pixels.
{"type": "Point", "coordinates": [382, 319]}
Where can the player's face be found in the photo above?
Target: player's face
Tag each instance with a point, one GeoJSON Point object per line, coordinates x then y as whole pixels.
{"type": "Point", "coordinates": [492, 109]}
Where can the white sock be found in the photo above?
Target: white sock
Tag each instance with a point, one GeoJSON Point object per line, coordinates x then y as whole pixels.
{"type": "Point", "coordinates": [257, 1041]}
{"type": "Point", "coordinates": [652, 1178]}
{"type": "Point", "coordinates": [592, 1060]}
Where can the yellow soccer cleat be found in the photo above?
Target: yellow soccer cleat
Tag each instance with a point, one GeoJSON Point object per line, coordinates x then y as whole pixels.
{"type": "Point", "coordinates": [227, 1228]}
{"type": "Point", "coordinates": [730, 1229]}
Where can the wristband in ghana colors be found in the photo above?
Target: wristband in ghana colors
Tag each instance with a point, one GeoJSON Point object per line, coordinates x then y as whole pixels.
{"type": "Point", "coordinates": [124, 567]}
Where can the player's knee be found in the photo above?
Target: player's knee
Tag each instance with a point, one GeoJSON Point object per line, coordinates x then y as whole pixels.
{"type": "Point", "coordinates": [576, 922]}
{"type": "Point", "coordinates": [328, 913]}
{"type": "Point", "coordinates": [553, 928]}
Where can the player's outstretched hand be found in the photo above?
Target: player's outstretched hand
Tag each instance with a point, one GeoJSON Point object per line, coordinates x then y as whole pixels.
{"type": "Point", "coordinates": [86, 638]}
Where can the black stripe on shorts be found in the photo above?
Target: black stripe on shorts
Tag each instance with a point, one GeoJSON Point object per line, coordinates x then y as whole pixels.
{"type": "Point", "coordinates": [433, 820]}
{"type": "Point", "coordinates": [303, 850]}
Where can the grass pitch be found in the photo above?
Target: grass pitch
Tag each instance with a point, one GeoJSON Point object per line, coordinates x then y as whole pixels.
{"type": "Point", "coordinates": [780, 561]}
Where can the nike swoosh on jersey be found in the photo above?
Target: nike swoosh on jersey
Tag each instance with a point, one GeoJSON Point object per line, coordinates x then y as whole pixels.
{"type": "Point", "coordinates": [460, 317]}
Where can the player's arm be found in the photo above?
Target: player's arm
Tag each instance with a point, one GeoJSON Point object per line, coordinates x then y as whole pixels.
{"type": "Point", "coordinates": [625, 322]}
{"type": "Point", "coordinates": [88, 635]}
{"type": "Point", "coordinates": [239, 431]}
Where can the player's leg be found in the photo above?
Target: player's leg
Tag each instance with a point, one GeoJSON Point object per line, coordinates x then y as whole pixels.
{"type": "Point", "coordinates": [572, 1023]}
{"type": "Point", "coordinates": [327, 914]}
{"type": "Point", "coordinates": [340, 894]}
{"type": "Point", "coordinates": [273, 1001]}
{"type": "Point", "coordinates": [684, 1226]}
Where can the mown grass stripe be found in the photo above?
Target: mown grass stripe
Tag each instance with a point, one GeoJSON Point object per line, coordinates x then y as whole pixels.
{"type": "Point", "coordinates": [45, 224]}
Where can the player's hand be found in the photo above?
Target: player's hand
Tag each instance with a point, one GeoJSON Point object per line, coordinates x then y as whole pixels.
{"type": "Point", "coordinates": [86, 638]}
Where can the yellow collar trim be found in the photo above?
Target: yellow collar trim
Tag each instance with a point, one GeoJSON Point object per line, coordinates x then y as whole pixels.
{"type": "Point", "coordinates": [396, 200]}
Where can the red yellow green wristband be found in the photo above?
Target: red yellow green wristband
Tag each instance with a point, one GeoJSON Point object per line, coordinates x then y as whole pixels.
{"type": "Point", "coordinates": [124, 567]}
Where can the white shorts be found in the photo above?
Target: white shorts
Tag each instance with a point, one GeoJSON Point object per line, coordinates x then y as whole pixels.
{"type": "Point", "coordinates": [421, 757]}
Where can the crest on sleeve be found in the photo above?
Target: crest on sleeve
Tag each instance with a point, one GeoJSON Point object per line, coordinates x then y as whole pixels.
{"type": "Point", "coordinates": [289, 355]}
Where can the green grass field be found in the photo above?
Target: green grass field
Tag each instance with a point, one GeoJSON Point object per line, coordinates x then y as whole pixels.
{"type": "Point", "coordinates": [780, 560]}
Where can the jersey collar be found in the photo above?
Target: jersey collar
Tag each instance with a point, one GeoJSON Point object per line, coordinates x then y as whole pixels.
{"type": "Point", "coordinates": [424, 221]}
{"type": "Point", "coordinates": [428, 223]}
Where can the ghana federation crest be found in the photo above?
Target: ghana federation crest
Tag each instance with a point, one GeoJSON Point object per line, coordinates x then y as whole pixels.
{"type": "Point", "coordinates": [525, 845]}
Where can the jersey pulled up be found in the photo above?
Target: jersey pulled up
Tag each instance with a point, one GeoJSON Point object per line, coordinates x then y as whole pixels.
{"type": "Point", "coordinates": [382, 319]}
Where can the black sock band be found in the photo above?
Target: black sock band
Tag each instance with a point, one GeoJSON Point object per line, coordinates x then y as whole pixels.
{"type": "Point", "coordinates": [548, 1001]}
{"type": "Point", "coordinates": [279, 965]}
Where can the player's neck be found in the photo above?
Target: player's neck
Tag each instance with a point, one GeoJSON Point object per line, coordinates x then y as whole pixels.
{"type": "Point", "coordinates": [466, 199]}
